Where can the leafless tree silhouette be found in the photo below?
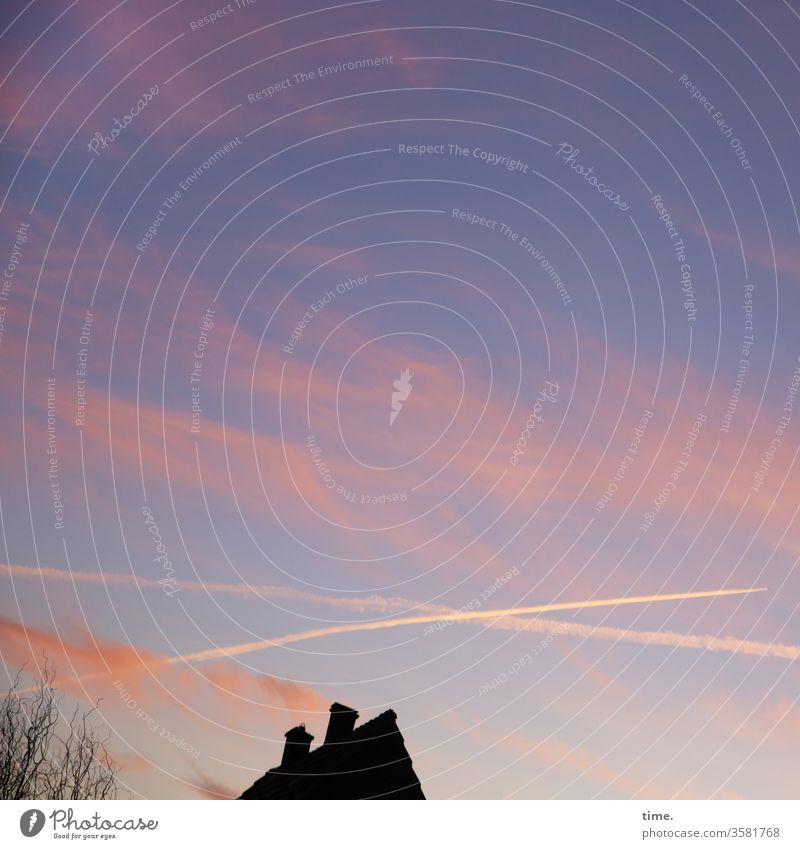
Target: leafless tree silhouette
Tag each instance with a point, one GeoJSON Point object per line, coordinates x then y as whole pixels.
{"type": "Point", "coordinates": [45, 754]}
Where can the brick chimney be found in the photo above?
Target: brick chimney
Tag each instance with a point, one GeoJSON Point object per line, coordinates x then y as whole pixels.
{"type": "Point", "coordinates": [298, 742]}
{"type": "Point", "coordinates": [341, 723]}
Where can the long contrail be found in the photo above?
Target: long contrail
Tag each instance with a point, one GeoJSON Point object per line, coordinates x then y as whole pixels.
{"type": "Point", "coordinates": [706, 642]}
{"type": "Point", "coordinates": [456, 616]}
{"type": "Point", "coordinates": [510, 619]}
{"type": "Point", "coordinates": [379, 604]}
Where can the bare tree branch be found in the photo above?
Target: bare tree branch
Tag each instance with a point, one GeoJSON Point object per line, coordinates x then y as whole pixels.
{"type": "Point", "coordinates": [47, 755]}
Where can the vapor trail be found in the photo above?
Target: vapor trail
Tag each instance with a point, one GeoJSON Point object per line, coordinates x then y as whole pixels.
{"type": "Point", "coordinates": [509, 619]}
{"type": "Point", "coordinates": [456, 616]}
{"type": "Point", "coordinates": [376, 603]}
{"type": "Point", "coordinates": [706, 642]}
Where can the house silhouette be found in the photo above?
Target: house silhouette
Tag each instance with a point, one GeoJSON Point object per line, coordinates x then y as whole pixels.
{"type": "Point", "coordinates": [368, 762]}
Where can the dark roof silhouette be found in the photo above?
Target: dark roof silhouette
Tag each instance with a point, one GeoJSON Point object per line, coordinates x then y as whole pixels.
{"type": "Point", "coordinates": [368, 762]}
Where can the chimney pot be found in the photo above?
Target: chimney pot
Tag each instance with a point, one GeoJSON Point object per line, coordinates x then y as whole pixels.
{"type": "Point", "coordinates": [341, 723]}
{"type": "Point", "coordinates": [298, 742]}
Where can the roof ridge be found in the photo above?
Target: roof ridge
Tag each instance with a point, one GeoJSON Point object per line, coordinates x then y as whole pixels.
{"type": "Point", "coordinates": [376, 720]}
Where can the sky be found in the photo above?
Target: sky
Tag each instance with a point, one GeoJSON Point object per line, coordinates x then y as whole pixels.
{"type": "Point", "coordinates": [320, 324]}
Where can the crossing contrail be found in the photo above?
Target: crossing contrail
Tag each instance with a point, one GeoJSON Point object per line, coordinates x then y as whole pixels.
{"type": "Point", "coordinates": [509, 618]}
{"type": "Point", "coordinates": [455, 616]}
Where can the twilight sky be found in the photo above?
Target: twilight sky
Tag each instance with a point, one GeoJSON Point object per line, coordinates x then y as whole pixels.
{"type": "Point", "coordinates": [228, 232]}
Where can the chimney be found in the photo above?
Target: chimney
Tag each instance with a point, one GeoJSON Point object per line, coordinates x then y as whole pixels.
{"type": "Point", "coordinates": [340, 724]}
{"type": "Point", "coordinates": [298, 742]}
